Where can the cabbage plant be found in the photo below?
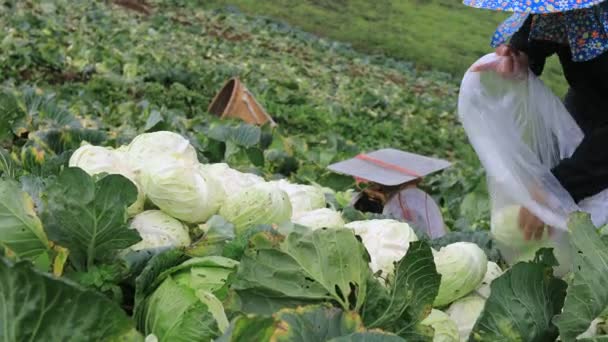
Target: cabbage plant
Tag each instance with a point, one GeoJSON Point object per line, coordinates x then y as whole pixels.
{"type": "Point", "coordinates": [445, 329]}
{"type": "Point", "coordinates": [320, 218]}
{"type": "Point", "coordinates": [386, 241]}
{"type": "Point", "coordinates": [187, 193]}
{"type": "Point", "coordinates": [158, 230]}
{"type": "Point", "coordinates": [95, 160]}
{"type": "Point", "coordinates": [187, 305]}
{"type": "Point", "coordinates": [303, 198]}
{"type": "Point", "coordinates": [263, 203]}
{"type": "Point", "coordinates": [462, 266]}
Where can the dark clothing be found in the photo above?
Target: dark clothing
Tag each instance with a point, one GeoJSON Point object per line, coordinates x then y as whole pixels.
{"type": "Point", "coordinates": [585, 173]}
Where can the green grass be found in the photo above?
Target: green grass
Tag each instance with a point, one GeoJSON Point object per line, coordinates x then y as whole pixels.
{"type": "Point", "coordinates": [435, 34]}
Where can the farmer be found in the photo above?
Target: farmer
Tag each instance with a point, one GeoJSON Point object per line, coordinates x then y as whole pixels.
{"type": "Point", "coordinates": [577, 32]}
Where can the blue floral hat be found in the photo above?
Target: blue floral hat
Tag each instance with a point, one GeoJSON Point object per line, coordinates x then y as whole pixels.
{"type": "Point", "coordinates": [583, 24]}
{"type": "Point", "coordinates": [532, 6]}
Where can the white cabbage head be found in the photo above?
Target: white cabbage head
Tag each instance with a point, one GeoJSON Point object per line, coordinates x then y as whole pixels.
{"type": "Point", "coordinates": [303, 198]}
{"type": "Point", "coordinates": [386, 241]}
{"type": "Point", "coordinates": [187, 193]}
{"type": "Point", "coordinates": [158, 230]}
{"type": "Point", "coordinates": [445, 329]}
{"type": "Point", "coordinates": [232, 180]}
{"type": "Point", "coordinates": [262, 203]}
{"type": "Point", "coordinates": [462, 266]}
{"type": "Point", "coordinates": [320, 218]}
{"type": "Point", "coordinates": [515, 248]}
{"type": "Point", "coordinates": [147, 149]}
{"type": "Point", "coordinates": [510, 239]}
{"type": "Point", "coordinates": [464, 312]}
{"type": "Point", "coordinates": [493, 271]}
{"type": "Point", "coordinates": [98, 159]}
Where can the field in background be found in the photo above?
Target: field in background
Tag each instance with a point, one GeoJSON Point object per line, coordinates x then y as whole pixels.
{"type": "Point", "coordinates": [434, 34]}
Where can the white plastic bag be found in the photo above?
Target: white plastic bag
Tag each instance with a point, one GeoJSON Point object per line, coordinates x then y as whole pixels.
{"type": "Point", "coordinates": [520, 131]}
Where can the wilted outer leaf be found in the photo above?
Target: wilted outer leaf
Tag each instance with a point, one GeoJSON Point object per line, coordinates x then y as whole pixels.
{"type": "Point", "coordinates": [522, 303]}
{"type": "Point", "coordinates": [89, 218]}
{"type": "Point", "coordinates": [308, 323]}
{"type": "Point", "coordinates": [321, 265]}
{"type": "Point", "coordinates": [408, 299]}
{"type": "Point", "coordinates": [37, 307]}
{"type": "Point", "coordinates": [587, 297]}
{"type": "Point", "coordinates": [20, 229]}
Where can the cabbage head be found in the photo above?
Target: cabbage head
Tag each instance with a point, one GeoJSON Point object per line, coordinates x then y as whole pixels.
{"type": "Point", "coordinates": [514, 247]}
{"type": "Point", "coordinates": [158, 230]}
{"type": "Point", "coordinates": [493, 271]}
{"type": "Point", "coordinates": [232, 180]}
{"type": "Point", "coordinates": [187, 306]}
{"type": "Point", "coordinates": [462, 266]}
{"type": "Point", "coordinates": [320, 218]}
{"type": "Point", "coordinates": [146, 150]}
{"type": "Point", "coordinates": [98, 159]}
{"type": "Point", "coordinates": [464, 312]}
{"type": "Point", "coordinates": [386, 241]}
{"type": "Point", "coordinates": [187, 193]}
{"type": "Point", "coordinates": [263, 203]}
{"type": "Point", "coordinates": [303, 198]}
{"type": "Point", "coordinates": [445, 329]}
{"type": "Point", "coordinates": [510, 239]}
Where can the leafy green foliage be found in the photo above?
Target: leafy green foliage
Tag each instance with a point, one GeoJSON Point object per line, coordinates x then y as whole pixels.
{"type": "Point", "coordinates": [587, 297]}
{"type": "Point", "coordinates": [522, 303]}
{"type": "Point", "coordinates": [408, 298]}
{"type": "Point", "coordinates": [185, 306]}
{"type": "Point", "coordinates": [174, 313]}
{"type": "Point", "coordinates": [235, 249]}
{"type": "Point", "coordinates": [219, 233]}
{"type": "Point", "coordinates": [38, 307]}
{"type": "Point", "coordinates": [146, 282]}
{"type": "Point", "coordinates": [88, 217]}
{"type": "Point", "coordinates": [103, 278]}
{"type": "Point", "coordinates": [459, 34]}
{"type": "Point", "coordinates": [76, 71]}
{"type": "Point", "coordinates": [308, 323]}
{"type": "Point", "coordinates": [136, 73]}
{"type": "Point", "coordinates": [20, 228]}
{"type": "Point", "coordinates": [273, 268]}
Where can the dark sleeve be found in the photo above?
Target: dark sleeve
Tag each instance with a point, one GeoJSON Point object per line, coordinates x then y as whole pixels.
{"type": "Point", "coordinates": [585, 173]}
{"type": "Point", "coordinates": [537, 51]}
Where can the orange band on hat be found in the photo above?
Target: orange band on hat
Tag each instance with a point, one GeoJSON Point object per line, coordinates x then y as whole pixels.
{"type": "Point", "coordinates": [388, 165]}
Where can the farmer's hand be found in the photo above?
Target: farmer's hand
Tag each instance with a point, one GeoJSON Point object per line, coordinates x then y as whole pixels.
{"type": "Point", "coordinates": [532, 226]}
{"type": "Point", "coordinates": [510, 64]}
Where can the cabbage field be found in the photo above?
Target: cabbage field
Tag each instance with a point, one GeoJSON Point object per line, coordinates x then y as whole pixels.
{"type": "Point", "coordinates": [129, 213]}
